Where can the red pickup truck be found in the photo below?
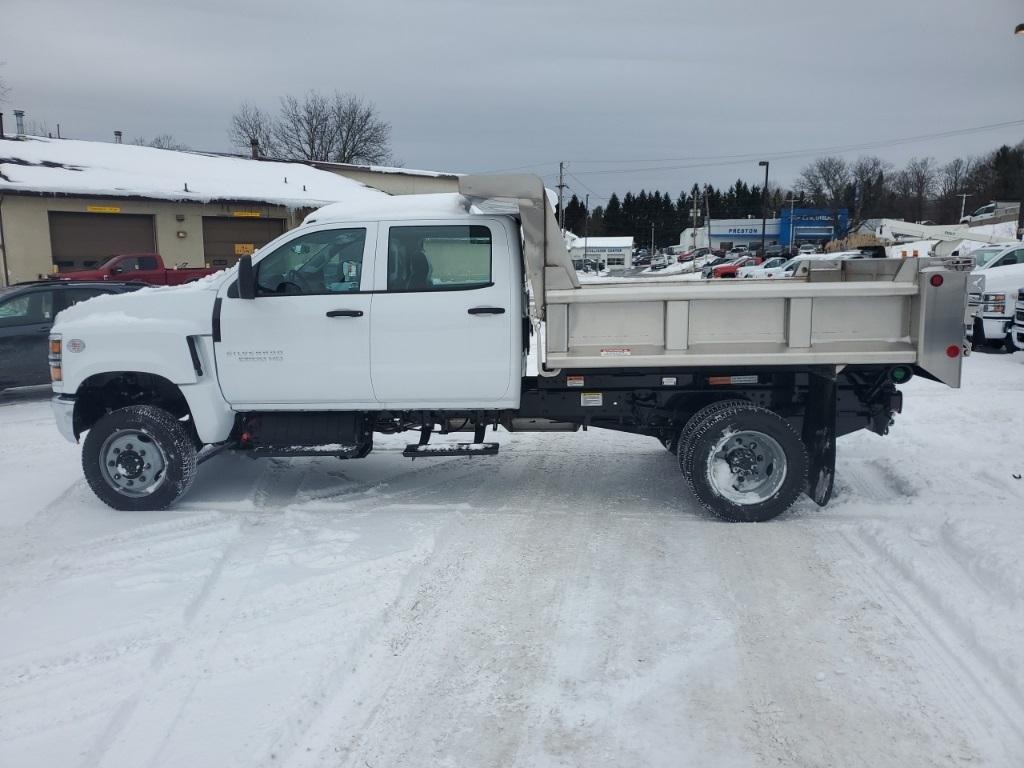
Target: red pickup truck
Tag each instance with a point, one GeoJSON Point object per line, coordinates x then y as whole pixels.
{"type": "Point", "coordinates": [140, 268]}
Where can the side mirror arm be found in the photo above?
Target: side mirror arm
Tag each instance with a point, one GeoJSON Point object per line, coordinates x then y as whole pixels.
{"type": "Point", "coordinates": [246, 278]}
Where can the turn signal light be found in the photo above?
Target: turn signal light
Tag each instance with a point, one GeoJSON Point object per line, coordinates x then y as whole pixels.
{"type": "Point", "coordinates": [56, 374]}
{"type": "Point", "coordinates": [55, 347]}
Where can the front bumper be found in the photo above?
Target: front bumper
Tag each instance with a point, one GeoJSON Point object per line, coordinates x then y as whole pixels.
{"type": "Point", "coordinates": [64, 414]}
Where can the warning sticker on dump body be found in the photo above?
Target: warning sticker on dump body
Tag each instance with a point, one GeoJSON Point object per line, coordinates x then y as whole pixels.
{"type": "Point", "coordinates": [616, 352]}
{"type": "Point", "coordinates": [591, 399]}
{"type": "Point", "coordinates": [574, 381]}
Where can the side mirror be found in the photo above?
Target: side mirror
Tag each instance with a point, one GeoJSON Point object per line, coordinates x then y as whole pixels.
{"type": "Point", "coordinates": [246, 278]}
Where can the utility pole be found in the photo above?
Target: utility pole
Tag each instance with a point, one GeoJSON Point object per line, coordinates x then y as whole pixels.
{"type": "Point", "coordinates": [693, 230]}
{"type": "Point", "coordinates": [963, 204]}
{"type": "Point", "coordinates": [586, 227]}
{"type": "Point", "coordinates": [764, 203]}
{"type": "Point", "coordinates": [561, 197]}
{"type": "Point", "coordinates": [652, 239]}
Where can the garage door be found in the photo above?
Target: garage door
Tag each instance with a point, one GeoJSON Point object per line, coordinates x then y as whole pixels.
{"type": "Point", "coordinates": [84, 240]}
{"type": "Point", "coordinates": [226, 238]}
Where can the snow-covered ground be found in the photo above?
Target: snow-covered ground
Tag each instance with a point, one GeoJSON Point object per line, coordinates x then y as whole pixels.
{"type": "Point", "coordinates": [563, 603]}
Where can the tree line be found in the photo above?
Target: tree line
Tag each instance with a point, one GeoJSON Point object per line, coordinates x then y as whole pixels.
{"type": "Point", "coordinates": [869, 187]}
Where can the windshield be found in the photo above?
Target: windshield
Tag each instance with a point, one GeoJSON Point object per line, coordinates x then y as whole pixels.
{"type": "Point", "coordinates": [985, 256]}
{"type": "Point", "coordinates": [790, 265]}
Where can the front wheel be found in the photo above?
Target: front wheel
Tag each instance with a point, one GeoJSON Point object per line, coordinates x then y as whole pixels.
{"type": "Point", "coordinates": [139, 458]}
{"type": "Point", "coordinates": [747, 464]}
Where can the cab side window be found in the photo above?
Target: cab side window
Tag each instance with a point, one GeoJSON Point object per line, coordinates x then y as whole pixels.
{"type": "Point", "coordinates": [439, 258]}
{"type": "Point", "coordinates": [324, 262]}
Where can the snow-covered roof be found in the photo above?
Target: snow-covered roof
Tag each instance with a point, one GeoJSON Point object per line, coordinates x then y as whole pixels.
{"type": "Point", "coordinates": [602, 242]}
{"type": "Point", "coordinates": [439, 205]}
{"type": "Point", "coordinates": [71, 167]}
{"type": "Point", "coordinates": [388, 169]}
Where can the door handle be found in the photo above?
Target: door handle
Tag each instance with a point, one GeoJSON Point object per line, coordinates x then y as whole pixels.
{"type": "Point", "coordinates": [345, 313]}
{"type": "Point", "coordinates": [487, 311]}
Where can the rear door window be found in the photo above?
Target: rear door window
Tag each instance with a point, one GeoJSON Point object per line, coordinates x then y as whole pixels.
{"type": "Point", "coordinates": [439, 258]}
{"type": "Point", "coordinates": [27, 309]}
{"type": "Point", "coordinates": [71, 296]}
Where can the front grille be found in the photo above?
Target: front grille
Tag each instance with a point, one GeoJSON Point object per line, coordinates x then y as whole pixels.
{"type": "Point", "coordinates": [1019, 316]}
{"type": "Point", "coordinates": [974, 299]}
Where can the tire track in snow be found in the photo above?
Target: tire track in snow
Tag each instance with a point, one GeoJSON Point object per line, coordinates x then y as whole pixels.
{"type": "Point", "coordinates": [361, 685]}
{"type": "Point", "coordinates": [967, 672]}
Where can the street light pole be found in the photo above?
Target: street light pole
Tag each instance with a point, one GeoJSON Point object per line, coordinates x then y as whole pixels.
{"type": "Point", "coordinates": [764, 204]}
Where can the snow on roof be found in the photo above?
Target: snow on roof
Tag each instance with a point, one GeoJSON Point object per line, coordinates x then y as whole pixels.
{"type": "Point", "coordinates": [602, 242]}
{"type": "Point", "coordinates": [389, 169]}
{"type": "Point", "coordinates": [439, 205]}
{"type": "Point", "coordinates": [70, 167]}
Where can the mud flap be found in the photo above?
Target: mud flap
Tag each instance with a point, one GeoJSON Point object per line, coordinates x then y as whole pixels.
{"type": "Point", "coordinates": [819, 436]}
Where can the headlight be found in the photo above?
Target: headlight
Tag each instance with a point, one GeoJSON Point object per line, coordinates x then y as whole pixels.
{"type": "Point", "coordinates": [995, 303]}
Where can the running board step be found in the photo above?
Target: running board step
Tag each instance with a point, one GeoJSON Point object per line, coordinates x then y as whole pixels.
{"type": "Point", "coordinates": [414, 451]}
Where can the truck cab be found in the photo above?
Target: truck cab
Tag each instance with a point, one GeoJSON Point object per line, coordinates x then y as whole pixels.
{"type": "Point", "coordinates": [440, 297]}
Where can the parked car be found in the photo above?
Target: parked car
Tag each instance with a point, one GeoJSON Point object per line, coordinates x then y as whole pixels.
{"type": "Point", "coordinates": [693, 253]}
{"type": "Point", "coordinates": [792, 266]}
{"type": "Point", "coordinates": [660, 261]}
{"type": "Point", "coordinates": [774, 251]}
{"type": "Point", "coordinates": [1002, 268]}
{"type": "Point", "coordinates": [731, 268]}
{"type": "Point", "coordinates": [27, 312]}
{"type": "Point", "coordinates": [991, 211]}
{"type": "Point", "coordinates": [146, 268]}
{"type": "Point", "coordinates": [709, 265]}
{"type": "Point", "coordinates": [1017, 330]}
{"type": "Point", "coordinates": [758, 270]}
{"type": "Point", "coordinates": [807, 249]}
{"type": "Point", "coordinates": [641, 261]}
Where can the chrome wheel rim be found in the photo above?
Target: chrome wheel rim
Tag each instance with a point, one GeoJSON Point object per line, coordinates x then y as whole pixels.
{"type": "Point", "coordinates": [746, 467]}
{"type": "Point", "coordinates": [132, 463]}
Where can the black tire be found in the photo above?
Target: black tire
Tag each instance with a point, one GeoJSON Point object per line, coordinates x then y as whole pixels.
{"type": "Point", "coordinates": [149, 425]}
{"type": "Point", "coordinates": [760, 428]}
{"type": "Point", "coordinates": [685, 440]}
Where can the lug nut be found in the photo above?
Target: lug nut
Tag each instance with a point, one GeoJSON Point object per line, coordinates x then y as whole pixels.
{"type": "Point", "coordinates": [128, 447]}
{"type": "Point", "coordinates": [117, 477]}
{"type": "Point", "coordinates": [147, 466]}
{"type": "Point", "coordinates": [142, 453]}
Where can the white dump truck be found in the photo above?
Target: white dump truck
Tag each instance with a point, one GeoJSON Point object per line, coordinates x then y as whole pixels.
{"type": "Point", "coordinates": [419, 314]}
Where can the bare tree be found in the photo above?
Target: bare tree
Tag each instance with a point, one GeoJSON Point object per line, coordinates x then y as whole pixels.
{"type": "Point", "coordinates": [305, 129]}
{"type": "Point", "coordinates": [825, 181]}
{"type": "Point", "coordinates": [251, 123]}
{"type": "Point", "coordinates": [362, 136]}
{"type": "Point", "coordinates": [341, 128]}
{"type": "Point", "coordinates": [163, 141]}
{"type": "Point", "coordinates": [5, 90]}
{"type": "Point", "coordinates": [919, 183]}
{"type": "Point", "coordinates": [952, 183]}
{"type": "Point", "coordinates": [869, 176]}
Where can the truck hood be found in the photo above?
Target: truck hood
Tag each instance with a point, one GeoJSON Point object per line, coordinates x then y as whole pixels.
{"type": "Point", "coordinates": [185, 309]}
{"type": "Point", "coordinates": [1002, 279]}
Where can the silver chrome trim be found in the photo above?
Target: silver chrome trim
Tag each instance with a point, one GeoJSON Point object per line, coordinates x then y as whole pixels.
{"type": "Point", "coordinates": [64, 415]}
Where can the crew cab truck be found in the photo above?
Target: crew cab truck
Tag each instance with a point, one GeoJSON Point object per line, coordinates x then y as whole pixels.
{"type": "Point", "coordinates": [146, 268]}
{"type": "Point", "coordinates": [418, 315]}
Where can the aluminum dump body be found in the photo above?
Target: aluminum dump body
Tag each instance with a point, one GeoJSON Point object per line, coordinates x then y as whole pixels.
{"type": "Point", "coordinates": [858, 312]}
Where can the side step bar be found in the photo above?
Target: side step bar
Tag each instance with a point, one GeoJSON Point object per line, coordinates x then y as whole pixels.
{"type": "Point", "coordinates": [414, 451]}
{"type": "Point", "coordinates": [327, 451]}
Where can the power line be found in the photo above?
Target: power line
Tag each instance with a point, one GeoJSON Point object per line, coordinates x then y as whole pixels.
{"type": "Point", "coordinates": [712, 161]}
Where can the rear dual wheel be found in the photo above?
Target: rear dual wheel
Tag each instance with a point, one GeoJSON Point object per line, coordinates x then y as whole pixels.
{"type": "Point", "coordinates": [744, 463]}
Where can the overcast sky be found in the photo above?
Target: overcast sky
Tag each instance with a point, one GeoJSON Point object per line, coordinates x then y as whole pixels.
{"type": "Point", "coordinates": [500, 84]}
